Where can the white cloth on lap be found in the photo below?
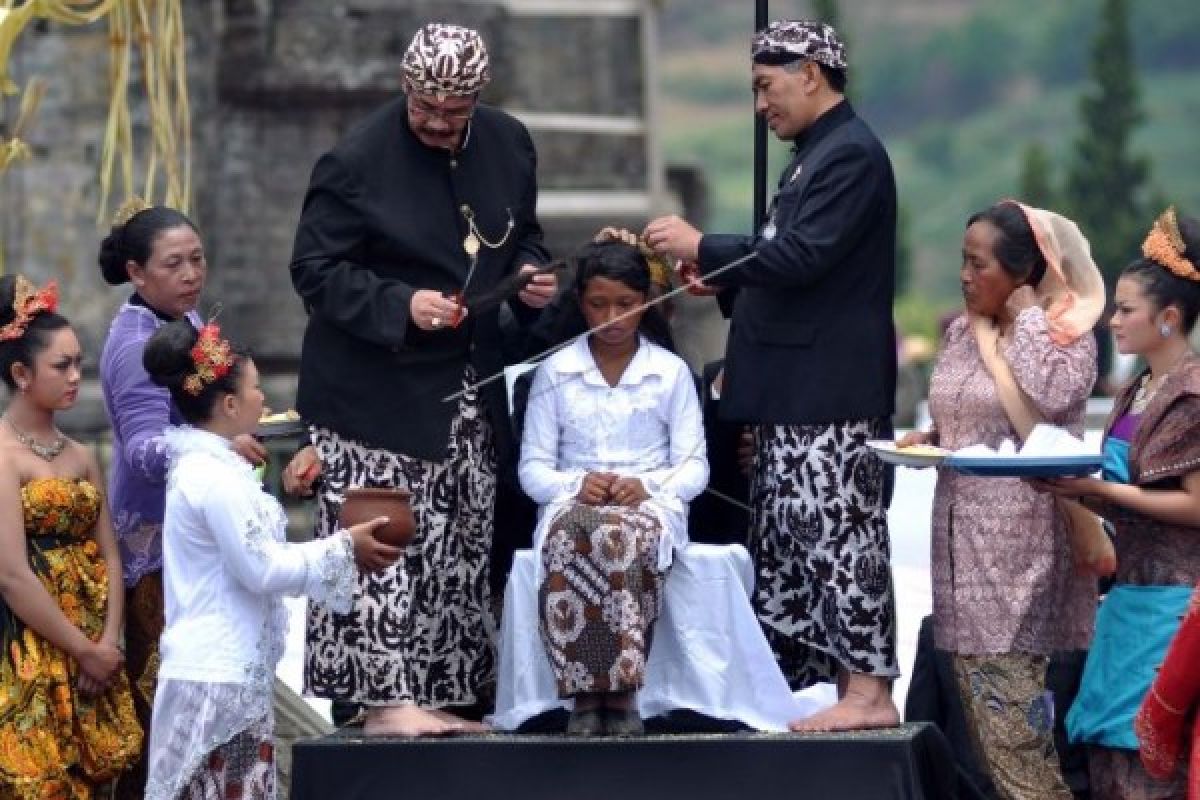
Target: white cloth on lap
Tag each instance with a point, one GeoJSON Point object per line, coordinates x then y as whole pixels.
{"type": "Point", "coordinates": [708, 653]}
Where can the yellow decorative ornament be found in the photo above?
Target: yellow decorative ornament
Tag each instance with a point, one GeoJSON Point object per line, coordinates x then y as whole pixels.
{"type": "Point", "coordinates": [155, 28]}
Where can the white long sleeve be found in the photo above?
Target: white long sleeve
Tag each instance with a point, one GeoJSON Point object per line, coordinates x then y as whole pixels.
{"type": "Point", "coordinates": [255, 551]}
{"type": "Point", "coordinates": [538, 470]}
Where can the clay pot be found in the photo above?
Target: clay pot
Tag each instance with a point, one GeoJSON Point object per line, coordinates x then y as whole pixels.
{"type": "Point", "coordinates": [364, 505]}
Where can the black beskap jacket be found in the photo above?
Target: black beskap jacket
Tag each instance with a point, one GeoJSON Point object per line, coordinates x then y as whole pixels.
{"type": "Point", "coordinates": [381, 219]}
{"type": "Point", "coordinates": [811, 340]}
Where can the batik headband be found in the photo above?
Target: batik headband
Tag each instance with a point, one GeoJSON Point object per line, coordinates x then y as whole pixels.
{"type": "Point", "coordinates": [791, 40]}
{"type": "Point", "coordinates": [213, 358]}
{"type": "Point", "coordinates": [28, 302]}
{"type": "Point", "coordinates": [1164, 245]}
{"type": "Point", "coordinates": [446, 60]}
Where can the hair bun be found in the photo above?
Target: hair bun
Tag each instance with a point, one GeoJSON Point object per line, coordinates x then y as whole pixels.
{"type": "Point", "coordinates": [167, 358]}
{"type": "Point", "coordinates": [112, 258]}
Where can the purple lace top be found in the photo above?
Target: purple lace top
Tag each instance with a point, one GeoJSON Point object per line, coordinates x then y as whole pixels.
{"type": "Point", "coordinates": [139, 412]}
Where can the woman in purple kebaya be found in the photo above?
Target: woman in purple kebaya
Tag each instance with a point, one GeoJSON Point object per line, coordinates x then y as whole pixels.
{"type": "Point", "coordinates": [159, 251]}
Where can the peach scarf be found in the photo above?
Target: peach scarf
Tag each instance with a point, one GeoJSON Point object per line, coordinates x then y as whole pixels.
{"type": "Point", "coordinates": [1072, 294]}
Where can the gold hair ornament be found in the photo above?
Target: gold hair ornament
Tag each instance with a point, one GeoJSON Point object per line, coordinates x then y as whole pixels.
{"type": "Point", "coordinates": [1165, 246]}
{"type": "Point", "coordinates": [128, 210]}
{"type": "Point", "coordinates": [28, 302]}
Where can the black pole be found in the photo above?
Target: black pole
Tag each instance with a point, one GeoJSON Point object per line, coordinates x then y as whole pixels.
{"type": "Point", "coordinates": [760, 139]}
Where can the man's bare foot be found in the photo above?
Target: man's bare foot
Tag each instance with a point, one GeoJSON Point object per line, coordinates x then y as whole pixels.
{"type": "Point", "coordinates": [867, 703]}
{"type": "Point", "coordinates": [407, 720]}
{"type": "Point", "coordinates": [464, 725]}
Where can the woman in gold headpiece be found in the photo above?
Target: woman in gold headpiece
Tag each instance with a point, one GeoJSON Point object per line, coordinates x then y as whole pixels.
{"type": "Point", "coordinates": [1150, 491]}
{"type": "Point", "coordinates": [67, 725]}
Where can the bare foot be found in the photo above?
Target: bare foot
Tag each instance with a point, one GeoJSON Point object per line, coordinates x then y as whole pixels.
{"type": "Point", "coordinates": [463, 725]}
{"type": "Point", "coordinates": [407, 720]}
{"type": "Point", "coordinates": [867, 705]}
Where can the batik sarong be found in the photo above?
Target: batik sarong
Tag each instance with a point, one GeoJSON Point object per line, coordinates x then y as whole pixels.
{"type": "Point", "coordinates": [421, 631]}
{"type": "Point", "coordinates": [600, 596]}
{"type": "Point", "coordinates": [819, 537]}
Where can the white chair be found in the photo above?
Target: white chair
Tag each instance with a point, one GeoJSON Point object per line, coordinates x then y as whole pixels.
{"type": "Point", "coordinates": [708, 654]}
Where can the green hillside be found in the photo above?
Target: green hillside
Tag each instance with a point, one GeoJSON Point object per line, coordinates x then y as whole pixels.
{"type": "Point", "coordinates": [956, 89]}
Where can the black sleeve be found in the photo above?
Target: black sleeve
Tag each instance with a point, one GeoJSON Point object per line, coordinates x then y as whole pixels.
{"type": "Point", "coordinates": [327, 271]}
{"type": "Point", "coordinates": [819, 228]}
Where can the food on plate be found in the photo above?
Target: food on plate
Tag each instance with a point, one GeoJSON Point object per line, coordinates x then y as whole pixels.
{"type": "Point", "coordinates": [291, 415]}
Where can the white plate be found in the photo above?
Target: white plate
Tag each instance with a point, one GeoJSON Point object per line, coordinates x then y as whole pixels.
{"type": "Point", "coordinates": [887, 450]}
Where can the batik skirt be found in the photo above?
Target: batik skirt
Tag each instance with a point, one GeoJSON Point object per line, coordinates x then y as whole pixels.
{"type": "Point", "coordinates": [819, 538]}
{"type": "Point", "coordinates": [420, 631]}
{"type": "Point", "coordinates": [600, 596]}
{"type": "Point", "coordinates": [241, 769]}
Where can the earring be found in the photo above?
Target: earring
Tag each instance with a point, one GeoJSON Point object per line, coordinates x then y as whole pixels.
{"type": "Point", "coordinates": [1165, 330]}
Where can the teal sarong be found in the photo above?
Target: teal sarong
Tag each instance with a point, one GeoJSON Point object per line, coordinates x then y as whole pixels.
{"type": "Point", "coordinates": [1134, 626]}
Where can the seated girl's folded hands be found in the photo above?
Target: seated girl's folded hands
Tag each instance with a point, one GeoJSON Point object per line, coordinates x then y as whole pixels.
{"type": "Point", "coordinates": [628, 492]}
{"type": "Point", "coordinates": [596, 488]}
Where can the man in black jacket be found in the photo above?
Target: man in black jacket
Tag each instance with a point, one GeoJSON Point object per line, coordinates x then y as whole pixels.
{"type": "Point", "coordinates": [428, 201]}
{"type": "Point", "coordinates": [811, 363]}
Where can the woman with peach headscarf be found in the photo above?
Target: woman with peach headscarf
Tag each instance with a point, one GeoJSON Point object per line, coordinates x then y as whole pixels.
{"type": "Point", "coordinates": [1008, 588]}
{"type": "Point", "coordinates": [1150, 491]}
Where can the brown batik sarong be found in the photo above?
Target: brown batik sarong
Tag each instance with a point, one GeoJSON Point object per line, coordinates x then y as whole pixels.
{"type": "Point", "coordinates": [144, 622]}
{"type": "Point", "coordinates": [599, 599]}
{"type": "Point", "coordinates": [1010, 716]}
{"type": "Point", "coordinates": [241, 769]}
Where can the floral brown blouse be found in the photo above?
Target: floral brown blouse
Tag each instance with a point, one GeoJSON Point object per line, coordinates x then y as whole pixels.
{"type": "Point", "coordinates": [1165, 448]}
{"type": "Point", "coordinates": [1003, 579]}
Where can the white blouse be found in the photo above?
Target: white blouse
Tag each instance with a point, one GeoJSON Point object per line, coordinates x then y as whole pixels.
{"type": "Point", "coordinates": [226, 566]}
{"type": "Point", "coordinates": [648, 426]}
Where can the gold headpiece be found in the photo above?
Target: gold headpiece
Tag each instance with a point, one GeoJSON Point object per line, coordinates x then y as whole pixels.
{"type": "Point", "coordinates": [28, 302]}
{"type": "Point", "coordinates": [660, 271]}
{"type": "Point", "coordinates": [128, 210]}
{"type": "Point", "coordinates": [213, 358]}
{"type": "Point", "coordinates": [1165, 246]}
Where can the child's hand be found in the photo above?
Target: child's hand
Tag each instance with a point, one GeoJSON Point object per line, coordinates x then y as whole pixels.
{"type": "Point", "coordinates": [370, 554]}
{"type": "Point", "coordinates": [596, 488]}
{"type": "Point", "coordinates": [628, 492]}
{"type": "Point", "coordinates": [302, 472]}
{"type": "Point", "coordinates": [250, 449]}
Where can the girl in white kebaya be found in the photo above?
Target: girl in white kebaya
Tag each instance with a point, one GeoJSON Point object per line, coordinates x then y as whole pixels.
{"type": "Point", "coordinates": [226, 567]}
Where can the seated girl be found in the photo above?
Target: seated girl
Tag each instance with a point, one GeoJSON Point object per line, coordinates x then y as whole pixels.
{"type": "Point", "coordinates": [67, 726]}
{"type": "Point", "coordinates": [226, 566]}
{"type": "Point", "coordinates": [613, 452]}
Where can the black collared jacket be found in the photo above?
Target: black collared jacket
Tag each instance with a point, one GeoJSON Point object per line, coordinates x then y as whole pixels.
{"type": "Point", "coordinates": [383, 218]}
{"type": "Point", "coordinates": [811, 339]}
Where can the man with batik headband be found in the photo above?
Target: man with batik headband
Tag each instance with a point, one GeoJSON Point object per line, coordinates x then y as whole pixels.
{"type": "Point", "coordinates": [413, 229]}
{"type": "Point", "coordinates": [811, 364]}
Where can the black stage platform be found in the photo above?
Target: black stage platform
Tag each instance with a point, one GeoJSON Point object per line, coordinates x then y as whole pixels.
{"type": "Point", "coordinates": [912, 761]}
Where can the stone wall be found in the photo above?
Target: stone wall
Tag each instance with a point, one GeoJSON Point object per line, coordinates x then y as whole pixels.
{"type": "Point", "coordinates": [273, 84]}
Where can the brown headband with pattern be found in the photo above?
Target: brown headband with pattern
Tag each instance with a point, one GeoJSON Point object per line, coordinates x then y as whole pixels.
{"type": "Point", "coordinates": [446, 60]}
{"type": "Point", "coordinates": [787, 40]}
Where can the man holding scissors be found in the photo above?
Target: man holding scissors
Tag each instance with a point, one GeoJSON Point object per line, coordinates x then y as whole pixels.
{"type": "Point", "coordinates": [811, 364]}
{"type": "Point", "coordinates": [411, 226]}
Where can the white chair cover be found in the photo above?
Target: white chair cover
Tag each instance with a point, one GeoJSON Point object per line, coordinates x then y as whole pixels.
{"type": "Point", "coordinates": [708, 655]}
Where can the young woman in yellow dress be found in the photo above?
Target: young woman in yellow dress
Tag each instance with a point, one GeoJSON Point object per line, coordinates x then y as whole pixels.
{"type": "Point", "coordinates": [67, 726]}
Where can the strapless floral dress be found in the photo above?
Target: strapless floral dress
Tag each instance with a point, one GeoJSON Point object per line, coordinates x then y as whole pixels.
{"type": "Point", "coordinates": [54, 741]}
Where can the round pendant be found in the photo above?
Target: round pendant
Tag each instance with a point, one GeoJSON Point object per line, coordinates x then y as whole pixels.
{"type": "Point", "coordinates": [471, 244]}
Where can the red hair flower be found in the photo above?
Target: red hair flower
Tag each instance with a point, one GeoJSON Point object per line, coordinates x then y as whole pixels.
{"type": "Point", "coordinates": [213, 358]}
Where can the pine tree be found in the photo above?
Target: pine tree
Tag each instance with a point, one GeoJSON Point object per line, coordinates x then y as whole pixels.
{"type": "Point", "coordinates": [1035, 185]}
{"type": "Point", "coordinates": [1106, 183]}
